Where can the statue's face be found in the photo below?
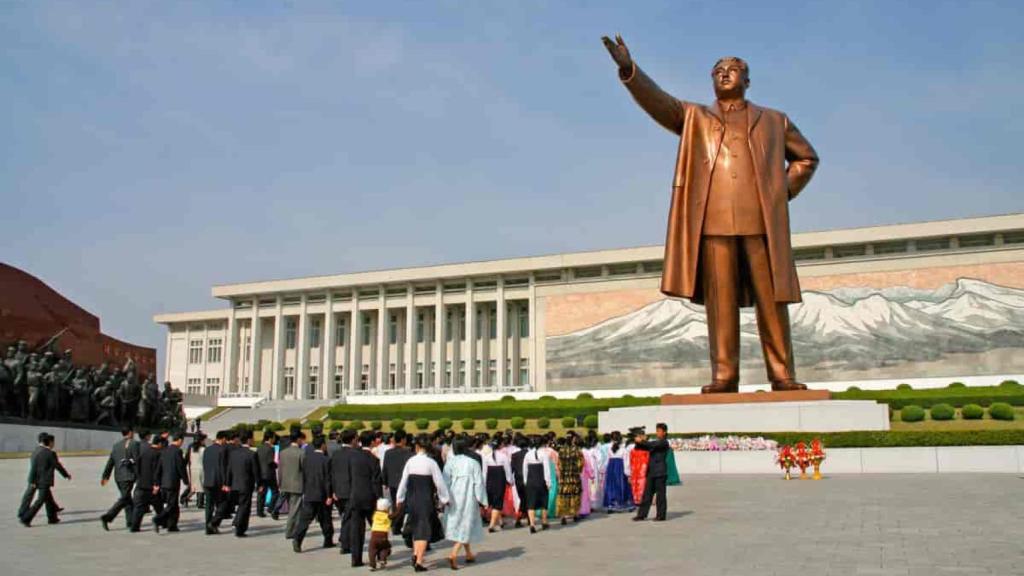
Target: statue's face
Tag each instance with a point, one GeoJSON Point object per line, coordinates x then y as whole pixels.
{"type": "Point", "coordinates": [729, 79]}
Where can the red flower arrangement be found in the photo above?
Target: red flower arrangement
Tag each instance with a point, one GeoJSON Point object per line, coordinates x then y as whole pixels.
{"type": "Point", "coordinates": [817, 457]}
{"type": "Point", "coordinates": [803, 459]}
{"type": "Point", "coordinates": [786, 459]}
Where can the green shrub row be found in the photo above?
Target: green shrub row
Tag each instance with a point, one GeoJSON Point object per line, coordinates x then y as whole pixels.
{"type": "Point", "coordinates": [956, 395]}
{"type": "Point", "coordinates": [894, 438]}
{"type": "Point", "coordinates": [543, 408]}
{"type": "Point", "coordinates": [997, 411]}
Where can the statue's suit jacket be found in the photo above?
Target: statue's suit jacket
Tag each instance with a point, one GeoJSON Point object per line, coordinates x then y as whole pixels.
{"type": "Point", "coordinates": [774, 142]}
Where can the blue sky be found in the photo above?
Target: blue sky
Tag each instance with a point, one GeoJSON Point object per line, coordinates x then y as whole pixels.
{"type": "Point", "coordinates": [153, 149]}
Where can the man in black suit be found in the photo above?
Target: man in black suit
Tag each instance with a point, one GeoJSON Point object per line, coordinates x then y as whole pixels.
{"type": "Point", "coordinates": [122, 464]}
{"type": "Point", "coordinates": [391, 471]}
{"type": "Point", "coordinates": [316, 496]}
{"type": "Point", "coordinates": [341, 483]}
{"type": "Point", "coordinates": [243, 474]}
{"type": "Point", "coordinates": [215, 463]}
{"type": "Point", "coordinates": [40, 482]}
{"type": "Point", "coordinates": [268, 475]}
{"type": "Point", "coordinates": [172, 474]}
{"type": "Point", "coordinates": [657, 472]}
{"type": "Point", "coordinates": [147, 483]}
{"type": "Point", "coordinates": [364, 490]}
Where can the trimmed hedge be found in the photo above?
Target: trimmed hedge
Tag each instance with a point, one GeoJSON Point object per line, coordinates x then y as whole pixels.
{"type": "Point", "coordinates": [1001, 411]}
{"type": "Point", "coordinates": [491, 423]}
{"type": "Point", "coordinates": [356, 425]}
{"type": "Point", "coordinates": [376, 424]}
{"type": "Point", "coordinates": [517, 422]}
{"type": "Point", "coordinates": [468, 423]}
{"type": "Point", "coordinates": [397, 424]}
{"type": "Point", "coordinates": [585, 396]}
{"type": "Point", "coordinates": [422, 424]}
{"type": "Point", "coordinates": [543, 423]}
{"type": "Point", "coordinates": [590, 422]}
{"type": "Point", "coordinates": [568, 422]}
{"type": "Point", "coordinates": [549, 408]}
{"type": "Point", "coordinates": [943, 412]}
{"type": "Point", "coordinates": [912, 413]}
{"type": "Point", "coordinates": [904, 387]}
{"type": "Point", "coordinates": [508, 398]}
{"type": "Point", "coordinates": [972, 412]}
{"type": "Point", "coordinates": [957, 385]}
{"type": "Point", "coordinates": [956, 397]}
{"type": "Point", "coordinates": [335, 425]}
{"type": "Point", "coordinates": [893, 438]}
{"type": "Point", "coordinates": [444, 423]}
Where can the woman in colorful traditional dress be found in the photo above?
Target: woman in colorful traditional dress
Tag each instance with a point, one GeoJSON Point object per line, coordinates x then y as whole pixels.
{"type": "Point", "coordinates": [552, 456]}
{"type": "Point", "coordinates": [618, 496]}
{"type": "Point", "coordinates": [587, 481]}
{"type": "Point", "coordinates": [637, 460]}
{"type": "Point", "coordinates": [570, 470]}
{"type": "Point", "coordinates": [537, 471]}
{"type": "Point", "coordinates": [465, 483]}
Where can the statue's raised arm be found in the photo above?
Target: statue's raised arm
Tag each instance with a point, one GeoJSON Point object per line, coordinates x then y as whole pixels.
{"type": "Point", "coordinates": [660, 105]}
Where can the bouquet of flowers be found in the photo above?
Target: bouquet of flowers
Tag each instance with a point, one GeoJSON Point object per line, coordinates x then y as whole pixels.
{"type": "Point", "coordinates": [786, 459]}
{"type": "Point", "coordinates": [803, 459]}
{"type": "Point", "coordinates": [817, 457]}
{"type": "Point", "coordinates": [709, 443]}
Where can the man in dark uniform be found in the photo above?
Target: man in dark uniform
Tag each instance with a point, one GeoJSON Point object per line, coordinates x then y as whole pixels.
{"type": "Point", "coordinates": [172, 474]}
{"type": "Point", "coordinates": [214, 475]}
{"type": "Point", "coordinates": [316, 496]}
{"type": "Point", "coordinates": [391, 471]}
{"type": "Point", "coordinates": [657, 472]}
{"type": "Point", "coordinates": [122, 464]}
{"type": "Point", "coordinates": [364, 490]}
{"type": "Point", "coordinates": [268, 475]}
{"type": "Point", "coordinates": [40, 482]}
{"type": "Point", "coordinates": [147, 482]}
{"type": "Point", "coordinates": [340, 484]}
{"type": "Point", "coordinates": [243, 474]}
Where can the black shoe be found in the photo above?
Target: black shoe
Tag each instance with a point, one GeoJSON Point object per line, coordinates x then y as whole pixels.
{"type": "Point", "coordinates": [156, 526]}
{"type": "Point", "coordinates": [533, 529]}
{"type": "Point", "coordinates": [241, 535]}
{"type": "Point", "coordinates": [296, 546]}
{"type": "Point", "coordinates": [54, 521]}
{"type": "Point", "coordinates": [211, 529]}
{"type": "Point", "coordinates": [419, 568]}
{"type": "Point", "coordinates": [659, 520]}
{"type": "Point", "coordinates": [329, 544]}
{"type": "Point", "coordinates": [274, 516]}
{"type": "Point", "coordinates": [564, 521]}
{"type": "Point", "coordinates": [358, 564]}
{"type": "Point", "coordinates": [545, 526]}
{"type": "Point", "coordinates": [261, 515]}
{"type": "Point", "coordinates": [175, 529]}
{"type": "Point", "coordinates": [25, 523]}
{"type": "Point", "coordinates": [134, 530]}
{"type": "Point", "coordinates": [638, 518]}
{"type": "Point", "coordinates": [345, 551]}
{"type": "Point", "coordinates": [105, 524]}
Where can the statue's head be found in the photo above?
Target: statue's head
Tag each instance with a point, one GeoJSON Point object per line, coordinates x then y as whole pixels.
{"type": "Point", "coordinates": [22, 345]}
{"type": "Point", "coordinates": [731, 77]}
{"type": "Point", "coordinates": [11, 351]}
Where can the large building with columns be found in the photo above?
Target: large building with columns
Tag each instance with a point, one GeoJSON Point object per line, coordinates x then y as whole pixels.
{"type": "Point", "coordinates": [904, 302]}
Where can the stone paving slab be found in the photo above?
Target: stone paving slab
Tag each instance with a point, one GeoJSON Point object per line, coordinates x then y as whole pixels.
{"type": "Point", "coordinates": [906, 525]}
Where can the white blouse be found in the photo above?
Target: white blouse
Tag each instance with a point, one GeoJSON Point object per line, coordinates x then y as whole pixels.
{"type": "Point", "coordinates": [423, 465]}
{"type": "Point", "coordinates": [535, 457]}
{"type": "Point", "coordinates": [499, 458]}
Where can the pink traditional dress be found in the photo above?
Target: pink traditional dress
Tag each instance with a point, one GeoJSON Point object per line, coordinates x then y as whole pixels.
{"type": "Point", "coordinates": [638, 472]}
{"type": "Point", "coordinates": [587, 477]}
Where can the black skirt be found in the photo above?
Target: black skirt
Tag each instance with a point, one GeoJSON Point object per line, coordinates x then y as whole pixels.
{"type": "Point", "coordinates": [496, 483]}
{"type": "Point", "coordinates": [422, 522]}
{"type": "Point", "coordinates": [536, 488]}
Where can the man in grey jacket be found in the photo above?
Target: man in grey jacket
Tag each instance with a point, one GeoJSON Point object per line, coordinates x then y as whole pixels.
{"type": "Point", "coordinates": [291, 461]}
{"type": "Point", "coordinates": [122, 464]}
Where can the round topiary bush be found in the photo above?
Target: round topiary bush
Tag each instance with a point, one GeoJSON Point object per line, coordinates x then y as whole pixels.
{"type": "Point", "coordinates": [590, 422]}
{"type": "Point", "coordinates": [468, 423]}
{"type": "Point", "coordinates": [335, 425]}
{"type": "Point", "coordinates": [1009, 384]}
{"type": "Point", "coordinates": [942, 412]}
{"type": "Point", "coordinates": [972, 412]}
{"type": "Point", "coordinates": [912, 413]}
{"type": "Point", "coordinates": [356, 425]}
{"type": "Point", "coordinates": [276, 426]}
{"type": "Point", "coordinates": [568, 422]}
{"type": "Point", "coordinates": [444, 423]}
{"type": "Point", "coordinates": [1001, 411]}
{"type": "Point", "coordinates": [422, 424]}
{"type": "Point", "coordinates": [585, 396]}
{"type": "Point", "coordinates": [517, 422]}
{"type": "Point", "coordinates": [397, 424]}
{"type": "Point", "coordinates": [547, 398]}
{"type": "Point", "coordinates": [508, 398]}
{"type": "Point", "coordinates": [853, 389]}
{"type": "Point", "coordinates": [543, 423]}
{"type": "Point", "coordinates": [491, 423]}
{"type": "Point", "coordinates": [376, 424]}
{"type": "Point", "coordinates": [957, 385]}
{"type": "Point", "coordinates": [628, 396]}
{"type": "Point", "coordinates": [904, 386]}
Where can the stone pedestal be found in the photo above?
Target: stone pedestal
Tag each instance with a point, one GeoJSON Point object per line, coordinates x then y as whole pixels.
{"type": "Point", "coordinates": [768, 413]}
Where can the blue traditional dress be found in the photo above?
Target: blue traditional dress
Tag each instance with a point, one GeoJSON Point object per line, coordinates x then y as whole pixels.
{"type": "Point", "coordinates": [618, 495]}
{"type": "Point", "coordinates": [465, 483]}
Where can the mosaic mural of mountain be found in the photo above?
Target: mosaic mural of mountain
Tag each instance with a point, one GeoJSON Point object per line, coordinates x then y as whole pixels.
{"type": "Point", "coordinates": [969, 326]}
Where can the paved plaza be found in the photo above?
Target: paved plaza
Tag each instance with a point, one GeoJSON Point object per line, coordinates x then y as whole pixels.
{"type": "Point", "coordinates": [718, 525]}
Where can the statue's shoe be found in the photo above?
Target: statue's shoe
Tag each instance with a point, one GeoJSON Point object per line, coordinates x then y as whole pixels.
{"type": "Point", "coordinates": [787, 386]}
{"type": "Point", "coordinates": [720, 387]}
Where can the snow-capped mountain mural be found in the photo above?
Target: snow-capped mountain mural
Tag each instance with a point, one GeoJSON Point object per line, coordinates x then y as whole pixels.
{"type": "Point", "coordinates": [840, 334]}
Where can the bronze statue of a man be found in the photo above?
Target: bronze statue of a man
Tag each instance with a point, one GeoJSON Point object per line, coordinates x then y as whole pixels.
{"type": "Point", "coordinates": [728, 241]}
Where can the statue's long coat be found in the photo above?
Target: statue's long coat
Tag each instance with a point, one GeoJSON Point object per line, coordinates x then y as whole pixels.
{"type": "Point", "coordinates": [784, 162]}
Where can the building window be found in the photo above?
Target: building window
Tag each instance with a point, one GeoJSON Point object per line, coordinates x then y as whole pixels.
{"type": "Point", "coordinates": [213, 349]}
{"type": "Point", "coordinates": [448, 326]}
{"type": "Point", "coordinates": [479, 334]}
{"type": "Point", "coordinates": [419, 374]}
{"type": "Point", "coordinates": [392, 376]}
{"type": "Point", "coordinates": [195, 386]}
{"type": "Point", "coordinates": [289, 380]}
{"type": "Point", "coordinates": [366, 332]}
{"type": "Point", "coordinates": [524, 323]}
{"type": "Point", "coordinates": [524, 372]}
{"type": "Point", "coordinates": [897, 247]}
{"type": "Point", "coordinates": [339, 380]}
{"type": "Point", "coordinates": [462, 325]}
{"type": "Point", "coordinates": [314, 333]}
{"type": "Point", "coordinates": [849, 251]}
{"type": "Point", "coordinates": [492, 372]}
{"type": "Point", "coordinates": [420, 320]}
{"type": "Point", "coordinates": [195, 352]}
{"type": "Point", "coordinates": [393, 329]}
{"type": "Point", "coordinates": [314, 376]}
{"type": "Point", "coordinates": [248, 348]}
{"type": "Point", "coordinates": [508, 371]}
{"type": "Point", "coordinates": [448, 374]}
{"type": "Point", "coordinates": [476, 372]}
{"type": "Point", "coordinates": [364, 378]}
{"type": "Point", "coordinates": [462, 373]}
{"type": "Point", "coordinates": [339, 333]}
{"type": "Point", "coordinates": [977, 241]}
{"type": "Point", "coordinates": [289, 334]}
{"type": "Point", "coordinates": [213, 386]}
{"type": "Point", "coordinates": [809, 254]}
{"type": "Point", "coordinates": [932, 244]}
{"type": "Point", "coordinates": [492, 324]}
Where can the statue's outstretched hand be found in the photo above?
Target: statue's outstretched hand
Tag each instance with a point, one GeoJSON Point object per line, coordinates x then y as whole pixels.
{"type": "Point", "coordinates": [618, 51]}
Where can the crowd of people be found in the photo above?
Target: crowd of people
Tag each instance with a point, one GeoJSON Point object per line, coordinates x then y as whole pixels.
{"type": "Point", "coordinates": [46, 385]}
{"type": "Point", "coordinates": [423, 489]}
